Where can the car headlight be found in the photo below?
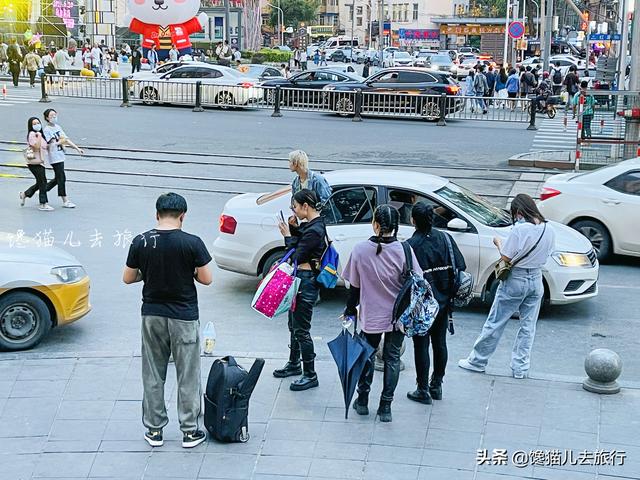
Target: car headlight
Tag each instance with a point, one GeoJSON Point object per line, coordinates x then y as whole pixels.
{"type": "Point", "coordinates": [567, 259]}
{"type": "Point", "coordinates": [69, 274]}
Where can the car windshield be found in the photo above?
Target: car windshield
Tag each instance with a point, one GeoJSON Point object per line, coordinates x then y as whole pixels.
{"type": "Point", "coordinates": [470, 61]}
{"type": "Point", "coordinates": [251, 70]}
{"type": "Point", "coordinates": [475, 206]}
{"type": "Point", "coordinates": [402, 55]}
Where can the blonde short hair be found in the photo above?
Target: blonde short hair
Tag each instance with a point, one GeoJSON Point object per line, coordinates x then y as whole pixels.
{"type": "Point", "coordinates": [298, 158]}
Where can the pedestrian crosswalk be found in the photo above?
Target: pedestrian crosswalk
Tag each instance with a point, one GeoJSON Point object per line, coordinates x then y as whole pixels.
{"type": "Point", "coordinates": [552, 133]}
{"type": "Point", "coordinates": [10, 95]}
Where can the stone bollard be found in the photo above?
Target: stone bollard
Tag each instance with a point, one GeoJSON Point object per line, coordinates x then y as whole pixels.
{"type": "Point", "coordinates": [603, 368]}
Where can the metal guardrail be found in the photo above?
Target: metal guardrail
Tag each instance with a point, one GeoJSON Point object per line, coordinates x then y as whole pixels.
{"type": "Point", "coordinates": [353, 104]}
{"type": "Point", "coordinates": [82, 87]}
{"type": "Point", "coordinates": [601, 136]}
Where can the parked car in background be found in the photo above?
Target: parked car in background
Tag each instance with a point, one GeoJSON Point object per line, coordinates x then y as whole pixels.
{"type": "Point", "coordinates": [222, 86]}
{"type": "Point", "coordinates": [338, 55]}
{"type": "Point", "coordinates": [421, 59]}
{"type": "Point", "coordinates": [249, 241]}
{"type": "Point", "coordinates": [41, 287]}
{"type": "Point", "coordinates": [442, 63]}
{"type": "Point", "coordinates": [311, 81]}
{"type": "Point", "coordinates": [398, 59]}
{"type": "Point", "coordinates": [603, 205]}
{"type": "Point", "coordinates": [411, 82]}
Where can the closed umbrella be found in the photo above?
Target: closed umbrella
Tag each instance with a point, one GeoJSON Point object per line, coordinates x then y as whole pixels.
{"type": "Point", "coordinates": [351, 354]}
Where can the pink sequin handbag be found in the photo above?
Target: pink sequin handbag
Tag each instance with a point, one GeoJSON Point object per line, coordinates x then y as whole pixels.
{"type": "Point", "coordinates": [276, 293]}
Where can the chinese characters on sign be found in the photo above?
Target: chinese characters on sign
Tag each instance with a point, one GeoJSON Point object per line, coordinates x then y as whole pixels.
{"type": "Point", "coordinates": [63, 11]}
{"type": "Point", "coordinates": [470, 29]}
{"type": "Point", "coordinates": [121, 239]}
{"type": "Point", "coordinates": [419, 33]}
{"type": "Point", "coordinates": [550, 458]}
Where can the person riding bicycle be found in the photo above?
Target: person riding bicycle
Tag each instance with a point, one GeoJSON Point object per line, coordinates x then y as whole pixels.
{"type": "Point", "coordinates": [543, 91]}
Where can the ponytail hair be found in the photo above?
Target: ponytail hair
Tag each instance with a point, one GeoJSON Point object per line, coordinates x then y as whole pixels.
{"type": "Point", "coordinates": [309, 197]}
{"type": "Point", "coordinates": [388, 218]}
{"type": "Point", "coordinates": [422, 215]}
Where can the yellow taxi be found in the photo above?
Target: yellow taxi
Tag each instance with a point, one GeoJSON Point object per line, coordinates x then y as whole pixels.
{"type": "Point", "coordinates": [41, 287]}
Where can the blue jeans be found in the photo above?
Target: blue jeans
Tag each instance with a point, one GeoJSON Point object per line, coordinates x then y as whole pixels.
{"type": "Point", "coordinates": [522, 291]}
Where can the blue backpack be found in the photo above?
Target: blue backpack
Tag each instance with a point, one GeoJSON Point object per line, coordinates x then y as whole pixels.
{"type": "Point", "coordinates": [328, 276]}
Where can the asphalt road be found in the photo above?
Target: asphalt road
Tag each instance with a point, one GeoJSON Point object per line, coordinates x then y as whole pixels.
{"type": "Point", "coordinates": [565, 334]}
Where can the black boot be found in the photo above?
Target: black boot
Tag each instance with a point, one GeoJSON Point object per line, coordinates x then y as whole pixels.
{"type": "Point", "coordinates": [420, 395]}
{"type": "Point", "coordinates": [309, 378]}
{"type": "Point", "coordinates": [361, 404]}
{"type": "Point", "coordinates": [384, 411]}
{"type": "Point", "coordinates": [290, 369]}
{"type": "Point", "coordinates": [435, 388]}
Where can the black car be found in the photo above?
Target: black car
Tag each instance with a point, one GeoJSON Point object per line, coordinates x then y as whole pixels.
{"type": "Point", "coordinates": [306, 87]}
{"type": "Point", "coordinates": [339, 56]}
{"type": "Point", "coordinates": [413, 88]}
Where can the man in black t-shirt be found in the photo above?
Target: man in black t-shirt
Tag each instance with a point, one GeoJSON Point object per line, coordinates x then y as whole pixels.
{"type": "Point", "coordinates": [168, 261]}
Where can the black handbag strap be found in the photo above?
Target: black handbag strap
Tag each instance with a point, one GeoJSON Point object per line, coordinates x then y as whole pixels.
{"type": "Point", "coordinates": [513, 264]}
{"type": "Point", "coordinates": [408, 265]}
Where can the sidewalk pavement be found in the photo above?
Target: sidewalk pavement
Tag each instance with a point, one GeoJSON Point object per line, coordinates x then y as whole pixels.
{"type": "Point", "coordinates": [69, 418]}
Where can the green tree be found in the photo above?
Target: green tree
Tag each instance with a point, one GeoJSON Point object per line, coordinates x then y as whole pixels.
{"type": "Point", "coordinates": [295, 11]}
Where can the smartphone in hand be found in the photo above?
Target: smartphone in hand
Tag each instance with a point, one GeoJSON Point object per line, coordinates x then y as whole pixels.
{"type": "Point", "coordinates": [282, 217]}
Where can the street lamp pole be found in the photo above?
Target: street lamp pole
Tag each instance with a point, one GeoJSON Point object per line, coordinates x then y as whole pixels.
{"type": "Point", "coordinates": [353, 18]}
{"type": "Point", "coordinates": [280, 22]}
{"type": "Point", "coordinates": [506, 34]}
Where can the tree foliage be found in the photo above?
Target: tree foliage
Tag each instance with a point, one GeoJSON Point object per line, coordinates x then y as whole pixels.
{"type": "Point", "coordinates": [295, 12]}
{"type": "Point", "coordinates": [488, 8]}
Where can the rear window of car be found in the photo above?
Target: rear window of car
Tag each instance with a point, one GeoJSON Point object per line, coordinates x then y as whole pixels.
{"type": "Point", "coordinates": [402, 55]}
{"type": "Point", "coordinates": [267, 197]}
{"type": "Point", "coordinates": [441, 59]}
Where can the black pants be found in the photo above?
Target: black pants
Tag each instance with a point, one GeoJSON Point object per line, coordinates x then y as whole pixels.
{"type": "Point", "coordinates": [390, 356]}
{"type": "Point", "coordinates": [32, 77]}
{"type": "Point", "coordinates": [300, 318]}
{"type": "Point", "coordinates": [135, 67]}
{"type": "Point", "coordinates": [14, 68]}
{"type": "Point", "coordinates": [60, 179]}
{"type": "Point", "coordinates": [41, 183]}
{"type": "Point", "coordinates": [437, 335]}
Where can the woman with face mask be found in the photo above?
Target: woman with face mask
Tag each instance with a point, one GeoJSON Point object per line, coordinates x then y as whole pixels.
{"type": "Point", "coordinates": [374, 274]}
{"type": "Point", "coordinates": [36, 165]}
{"type": "Point", "coordinates": [57, 140]}
{"type": "Point", "coordinates": [309, 240]}
{"type": "Point", "coordinates": [527, 248]}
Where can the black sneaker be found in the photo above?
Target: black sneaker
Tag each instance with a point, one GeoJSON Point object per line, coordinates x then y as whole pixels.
{"type": "Point", "coordinates": [193, 439]}
{"type": "Point", "coordinates": [154, 438]}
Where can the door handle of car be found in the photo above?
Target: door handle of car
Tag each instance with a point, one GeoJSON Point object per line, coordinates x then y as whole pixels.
{"type": "Point", "coordinates": [610, 201]}
{"type": "Point", "coordinates": [340, 237]}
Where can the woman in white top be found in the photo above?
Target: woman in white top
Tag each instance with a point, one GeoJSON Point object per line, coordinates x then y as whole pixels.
{"type": "Point", "coordinates": [36, 165]}
{"type": "Point", "coordinates": [528, 247]}
{"type": "Point", "coordinates": [57, 140]}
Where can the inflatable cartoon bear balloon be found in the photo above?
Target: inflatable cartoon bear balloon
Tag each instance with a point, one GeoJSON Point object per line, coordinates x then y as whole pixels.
{"type": "Point", "coordinates": [164, 23]}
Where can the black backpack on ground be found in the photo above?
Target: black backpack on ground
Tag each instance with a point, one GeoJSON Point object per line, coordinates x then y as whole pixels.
{"type": "Point", "coordinates": [226, 399]}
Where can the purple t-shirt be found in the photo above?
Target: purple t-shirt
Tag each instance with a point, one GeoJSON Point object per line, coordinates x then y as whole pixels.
{"type": "Point", "coordinates": [378, 277]}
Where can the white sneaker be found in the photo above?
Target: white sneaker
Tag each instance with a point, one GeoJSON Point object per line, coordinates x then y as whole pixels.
{"type": "Point", "coordinates": [464, 363]}
{"type": "Point", "coordinates": [69, 204]}
{"type": "Point", "coordinates": [519, 375]}
{"type": "Point", "coordinates": [23, 199]}
{"type": "Point", "coordinates": [46, 208]}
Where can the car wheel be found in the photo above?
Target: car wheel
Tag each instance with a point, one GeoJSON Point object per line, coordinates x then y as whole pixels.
{"type": "Point", "coordinates": [24, 321]}
{"type": "Point", "coordinates": [149, 96]}
{"type": "Point", "coordinates": [270, 97]}
{"type": "Point", "coordinates": [224, 99]}
{"type": "Point", "coordinates": [430, 111]}
{"type": "Point", "coordinates": [597, 234]}
{"type": "Point", "coordinates": [270, 261]}
{"type": "Point", "coordinates": [344, 106]}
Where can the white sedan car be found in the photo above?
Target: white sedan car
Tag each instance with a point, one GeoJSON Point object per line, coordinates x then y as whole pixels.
{"type": "Point", "coordinates": [249, 240]}
{"type": "Point", "coordinates": [603, 205]}
{"type": "Point", "coordinates": [221, 86]}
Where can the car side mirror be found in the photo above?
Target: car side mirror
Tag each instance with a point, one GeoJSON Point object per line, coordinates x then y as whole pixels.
{"type": "Point", "coordinates": [458, 225]}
